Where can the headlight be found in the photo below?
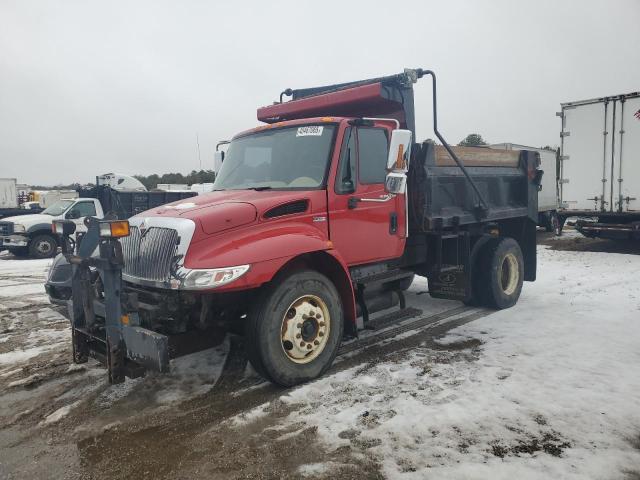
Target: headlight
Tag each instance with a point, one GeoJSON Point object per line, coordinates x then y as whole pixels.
{"type": "Point", "coordinates": [17, 228]}
{"type": "Point", "coordinates": [213, 278]}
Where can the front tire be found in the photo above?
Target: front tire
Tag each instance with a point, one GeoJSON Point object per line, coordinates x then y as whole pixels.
{"type": "Point", "coordinates": [294, 331]}
{"type": "Point", "coordinates": [501, 273]}
{"type": "Point", "coordinates": [43, 246]}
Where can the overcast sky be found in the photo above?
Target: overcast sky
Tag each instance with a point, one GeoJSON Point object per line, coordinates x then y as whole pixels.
{"type": "Point", "coordinates": [89, 87]}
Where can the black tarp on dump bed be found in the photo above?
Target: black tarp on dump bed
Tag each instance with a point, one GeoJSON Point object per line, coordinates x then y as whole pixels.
{"type": "Point", "coordinates": [127, 204]}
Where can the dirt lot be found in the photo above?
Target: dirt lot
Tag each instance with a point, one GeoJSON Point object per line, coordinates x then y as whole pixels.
{"type": "Point", "coordinates": [212, 417]}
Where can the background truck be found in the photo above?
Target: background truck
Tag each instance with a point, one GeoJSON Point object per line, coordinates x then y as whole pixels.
{"type": "Point", "coordinates": [30, 234]}
{"type": "Point", "coordinates": [320, 218]}
{"type": "Point", "coordinates": [9, 199]}
{"type": "Point", "coordinates": [548, 195]}
{"type": "Point", "coordinates": [600, 166]}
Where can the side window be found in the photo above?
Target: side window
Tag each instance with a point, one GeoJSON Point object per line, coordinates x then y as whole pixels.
{"type": "Point", "coordinates": [82, 209]}
{"type": "Point", "coordinates": [346, 178]}
{"type": "Point", "coordinates": [373, 151]}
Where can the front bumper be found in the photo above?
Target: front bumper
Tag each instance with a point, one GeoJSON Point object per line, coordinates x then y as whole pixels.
{"type": "Point", "coordinates": [12, 241]}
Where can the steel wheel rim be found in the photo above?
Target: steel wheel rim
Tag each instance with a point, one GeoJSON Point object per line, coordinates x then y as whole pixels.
{"type": "Point", "coordinates": [509, 274]}
{"type": "Point", "coordinates": [43, 247]}
{"type": "Point", "coordinates": [306, 325]}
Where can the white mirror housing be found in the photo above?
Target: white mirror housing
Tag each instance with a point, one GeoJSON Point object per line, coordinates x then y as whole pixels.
{"type": "Point", "coordinates": [399, 151]}
{"type": "Point", "coordinates": [218, 157]}
{"type": "Point", "coordinates": [396, 183]}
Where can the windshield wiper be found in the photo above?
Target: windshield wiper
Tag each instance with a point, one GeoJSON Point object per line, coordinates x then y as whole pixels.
{"type": "Point", "coordinates": [259, 189]}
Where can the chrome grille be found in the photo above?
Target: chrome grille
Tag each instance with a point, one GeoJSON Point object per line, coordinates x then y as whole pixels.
{"type": "Point", "coordinates": [149, 256]}
{"type": "Point", "coordinates": [6, 228]}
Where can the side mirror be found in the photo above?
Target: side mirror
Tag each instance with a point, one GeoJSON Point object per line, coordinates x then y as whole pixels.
{"type": "Point", "coordinates": [399, 150]}
{"type": "Point", "coordinates": [72, 215]}
{"type": "Point", "coordinates": [218, 158]}
{"type": "Point", "coordinates": [347, 187]}
{"type": "Point", "coordinates": [395, 183]}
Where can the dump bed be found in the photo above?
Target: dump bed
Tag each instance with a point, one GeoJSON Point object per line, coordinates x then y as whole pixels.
{"type": "Point", "coordinates": [440, 196]}
{"type": "Point", "coordinates": [125, 204]}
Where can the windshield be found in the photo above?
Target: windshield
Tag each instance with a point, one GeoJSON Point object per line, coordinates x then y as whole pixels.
{"type": "Point", "coordinates": [58, 208]}
{"type": "Point", "coordinates": [294, 157]}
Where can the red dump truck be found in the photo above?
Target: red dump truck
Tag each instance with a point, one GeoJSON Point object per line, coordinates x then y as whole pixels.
{"type": "Point", "coordinates": [320, 217]}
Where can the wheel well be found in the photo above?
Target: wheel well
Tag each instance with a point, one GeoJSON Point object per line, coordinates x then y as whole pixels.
{"type": "Point", "coordinates": [523, 231]}
{"type": "Point", "coordinates": [49, 233]}
{"type": "Point", "coordinates": [330, 267]}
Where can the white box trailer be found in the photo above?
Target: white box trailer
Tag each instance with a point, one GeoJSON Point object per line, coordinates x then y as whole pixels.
{"type": "Point", "coordinates": [8, 193]}
{"type": "Point", "coordinates": [600, 165]}
{"type": "Point", "coordinates": [50, 197]}
{"type": "Point", "coordinates": [548, 194]}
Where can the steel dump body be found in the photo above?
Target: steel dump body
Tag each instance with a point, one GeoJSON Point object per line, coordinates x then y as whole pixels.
{"type": "Point", "coordinates": [363, 239]}
{"type": "Point", "coordinates": [440, 197]}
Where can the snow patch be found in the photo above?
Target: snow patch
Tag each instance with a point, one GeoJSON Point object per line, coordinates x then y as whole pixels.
{"type": "Point", "coordinates": [60, 413]}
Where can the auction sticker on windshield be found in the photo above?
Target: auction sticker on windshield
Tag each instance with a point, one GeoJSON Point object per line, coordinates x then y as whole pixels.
{"type": "Point", "coordinates": [310, 131]}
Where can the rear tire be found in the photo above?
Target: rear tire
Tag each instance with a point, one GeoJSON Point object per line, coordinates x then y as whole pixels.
{"type": "Point", "coordinates": [294, 331]}
{"type": "Point", "coordinates": [43, 246]}
{"type": "Point", "coordinates": [501, 273]}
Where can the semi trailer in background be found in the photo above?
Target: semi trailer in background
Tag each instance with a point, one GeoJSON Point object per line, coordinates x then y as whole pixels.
{"type": "Point", "coordinates": [320, 218]}
{"type": "Point", "coordinates": [11, 195]}
{"type": "Point", "coordinates": [548, 194]}
{"type": "Point", "coordinates": [600, 166]}
{"type": "Point", "coordinates": [8, 193]}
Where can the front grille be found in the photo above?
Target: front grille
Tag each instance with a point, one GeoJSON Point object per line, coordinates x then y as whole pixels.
{"type": "Point", "coordinates": [6, 228]}
{"type": "Point", "coordinates": [149, 256]}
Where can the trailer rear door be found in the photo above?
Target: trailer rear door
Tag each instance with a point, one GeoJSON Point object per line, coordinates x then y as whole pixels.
{"type": "Point", "coordinates": [600, 154]}
{"type": "Point", "coordinates": [586, 162]}
{"type": "Point", "coordinates": [627, 155]}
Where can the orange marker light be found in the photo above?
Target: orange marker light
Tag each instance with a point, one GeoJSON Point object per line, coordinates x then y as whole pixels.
{"type": "Point", "coordinates": [400, 159]}
{"type": "Point", "coordinates": [119, 229]}
{"type": "Point", "coordinates": [115, 229]}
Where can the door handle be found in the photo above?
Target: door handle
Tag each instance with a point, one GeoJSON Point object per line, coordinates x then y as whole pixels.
{"type": "Point", "coordinates": [353, 201]}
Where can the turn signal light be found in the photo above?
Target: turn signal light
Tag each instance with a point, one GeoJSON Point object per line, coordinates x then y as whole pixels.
{"type": "Point", "coordinates": [400, 158]}
{"type": "Point", "coordinates": [114, 229]}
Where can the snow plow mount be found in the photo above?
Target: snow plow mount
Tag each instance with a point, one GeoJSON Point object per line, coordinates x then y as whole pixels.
{"type": "Point", "coordinates": [103, 325]}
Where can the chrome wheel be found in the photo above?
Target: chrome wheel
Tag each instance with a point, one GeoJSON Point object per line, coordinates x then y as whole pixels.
{"type": "Point", "coordinates": [510, 274]}
{"type": "Point", "coordinates": [305, 329]}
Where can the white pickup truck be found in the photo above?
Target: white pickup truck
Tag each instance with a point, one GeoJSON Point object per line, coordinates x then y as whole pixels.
{"type": "Point", "coordinates": [31, 235]}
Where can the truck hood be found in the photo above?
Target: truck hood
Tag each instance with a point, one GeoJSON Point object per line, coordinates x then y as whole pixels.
{"type": "Point", "coordinates": [29, 220]}
{"type": "Point", "coordinates": [216, 212]}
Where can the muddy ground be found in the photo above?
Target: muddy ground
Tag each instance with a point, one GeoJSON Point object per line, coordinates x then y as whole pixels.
{"type": "Point", "coordinates": [60, 420]}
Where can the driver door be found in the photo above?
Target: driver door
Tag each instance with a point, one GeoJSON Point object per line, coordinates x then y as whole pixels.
{"type": "Point", "coordinates": [78, 212]}
{"type": "Point", "coordinates": [366, 223]}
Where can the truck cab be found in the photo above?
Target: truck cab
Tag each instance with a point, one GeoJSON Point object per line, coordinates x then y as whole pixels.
{"type": "Point", "coordinates": [32, 235]}
{"type": "Point", "coordinates": [319, 218]}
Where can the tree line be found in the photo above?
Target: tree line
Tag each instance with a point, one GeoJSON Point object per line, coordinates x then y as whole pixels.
{"type": "Point", "coordinates": [152, 181]}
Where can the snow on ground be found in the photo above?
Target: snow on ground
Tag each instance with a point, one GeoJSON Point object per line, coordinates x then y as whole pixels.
{"type": "Point", "coordinates": [553, 391]}
{"type": "Point", "coordinates": [547, 389]}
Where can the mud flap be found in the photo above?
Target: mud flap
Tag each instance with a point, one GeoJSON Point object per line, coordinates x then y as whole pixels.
{"type": "Point", "coordinates": [451, 284]}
